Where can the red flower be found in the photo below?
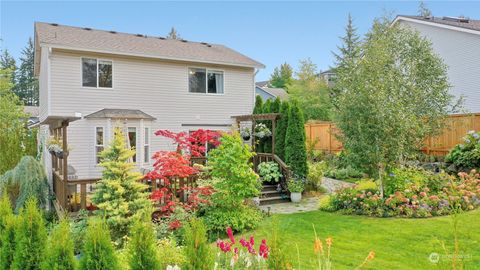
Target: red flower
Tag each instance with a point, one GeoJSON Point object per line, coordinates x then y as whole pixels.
{"type": "Point", "coordinates": [174, 225]}
{"type": "Point", "coordinates": [230, 235]}
{"type": "Point", "coordinates": [225, 247]}
{"type": "Point", "coordinates": [252, 241]}
{"type": "Point", "coordinates": [264, 250]}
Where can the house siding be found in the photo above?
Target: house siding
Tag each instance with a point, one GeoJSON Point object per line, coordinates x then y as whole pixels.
{"type": "Point", "coordinates": [43, 84]}
{"type": "Point", "coordinates": [461, 53]}
{"type": "Point", "coordinates": [158, 88]}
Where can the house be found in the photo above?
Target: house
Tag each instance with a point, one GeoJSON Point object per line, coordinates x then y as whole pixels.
{"type": "Point", "coordinates": [457, 41]}
{"type": "Point", "coordinates": [262, 89]}
{"type": "Point", "coordinates": [328, 77]}
{"type": "Point", "coordinates": [32, 112]}
{"type": "Point", "coordinates": [92, 81]}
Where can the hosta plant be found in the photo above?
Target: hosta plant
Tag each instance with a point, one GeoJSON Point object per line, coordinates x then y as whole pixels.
{"type": "Point", "coordinates": [269, 171]}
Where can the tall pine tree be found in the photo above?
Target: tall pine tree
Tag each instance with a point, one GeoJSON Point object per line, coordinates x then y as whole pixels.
{"type": "Point", "coordinates": [423, 10]}
{"type": "Point", "coordinates": [349, 53]}
{"type": "Point", "coordinates": [282, 76]}
{"type": "Point", "coordinates": [173, 34]}
{"type": "Point", "coordinates": [7, 62]}
{"type": "Point", "coordinates": [98, 252]}
{"type": "Point", "coordinates": [119, 196]}
{"type": "Point", "coordinates": [27, 85]}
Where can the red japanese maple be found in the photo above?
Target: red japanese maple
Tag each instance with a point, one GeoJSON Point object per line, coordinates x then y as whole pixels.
{"type": "Point", "coordinates": [194, 142]}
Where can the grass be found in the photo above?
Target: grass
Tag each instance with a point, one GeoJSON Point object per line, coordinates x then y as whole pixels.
{"type": "Point", "coordinates": [398, 243]}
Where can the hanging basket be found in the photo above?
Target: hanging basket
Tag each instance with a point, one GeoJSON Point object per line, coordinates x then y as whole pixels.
{"type": "Point", "coordinates": [59, 155]}
{"type": "Point", "coordinates": [246, 137]}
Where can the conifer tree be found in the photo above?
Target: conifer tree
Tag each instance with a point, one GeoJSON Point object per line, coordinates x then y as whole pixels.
{"type": "Point", "coordinates": [98, 252]}
{"type": "Point", "coordinates": [7, 233]}
{"type": "Point", "coordinates": [349, 53]}
{"type": "Point", "coordinates": [295, 141]}
{"type": "Point", "coordinates": [173, 34]}
{"type": "Point", "coordinates": [198, 251]}
{"type": "Point", "coordinates": [282, 76]}
{"type": "Point", "coordinates": [119, 195]}
{"type": "Point", "coordinates": [142, 249]}
{"type": "Point", "coordinates": [423, 10]}
{"type": "Point", "coordinates": [258, 105]}
{"type": "Point", "coordinates": [281, 130]}
{"type": "Point", "coordinates": [27, 85]}
{"type": "Point", "coordinates": [8, 62]}
{"type": "Point", "coordinates": [30, 238]}
{"type": "Point", "coordinates": [59, 253]}
{"type": "Point", "coordinates": [266, 143]}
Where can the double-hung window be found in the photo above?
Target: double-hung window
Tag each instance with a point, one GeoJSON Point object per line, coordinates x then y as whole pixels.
{"type": "Point", "coordinates": [99, 142]}
{"type": "Point", "coordinates": [146, 146]}
{"type": "Point", "coordinates": [97, 73]}
{"type": "Point", "coordinates": [201, 80]}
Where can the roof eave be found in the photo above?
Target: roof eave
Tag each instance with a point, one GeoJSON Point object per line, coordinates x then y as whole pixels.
{"type": "Point", "coordinates": [446, 26]}
{"type": "Point", "coordinates": [62, 47]}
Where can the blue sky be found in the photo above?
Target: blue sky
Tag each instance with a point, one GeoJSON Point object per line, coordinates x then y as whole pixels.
{"type": "Point", "coordinates": [270, 32]}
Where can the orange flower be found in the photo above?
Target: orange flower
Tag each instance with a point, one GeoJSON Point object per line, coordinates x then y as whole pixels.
{"type": "Point", "coordinates": [289, 267]}
{"type": "Point", "coordinates": [371, 255]}
{"type": "Point", "coordinates": [318, 247]}
{"type": "Point", "coordinates": [329, 241]}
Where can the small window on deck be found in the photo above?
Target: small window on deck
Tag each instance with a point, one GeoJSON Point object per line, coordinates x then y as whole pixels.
{"type": "Point", "coordinates": [132, 141]}
{"type": "Point", "coordinates": [146, 146]}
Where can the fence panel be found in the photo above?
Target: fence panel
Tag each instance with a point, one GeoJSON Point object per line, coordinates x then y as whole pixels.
{"type": "Point", "coordinates": [321, 135]}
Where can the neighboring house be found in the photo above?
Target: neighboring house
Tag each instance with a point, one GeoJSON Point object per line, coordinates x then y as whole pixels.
{"type": "Point", "coordinates": [269, 92]}
{"type": "Point", "coordinates": [32, 112]}
{"type": "Point", "coordinates": [95, 80]}
{"type": "Point", "coordinates": [328, 77]}
{"type": "Point", "coordinates": [263, 84]}
{"type": "Point", "coordinates": [457, 41]}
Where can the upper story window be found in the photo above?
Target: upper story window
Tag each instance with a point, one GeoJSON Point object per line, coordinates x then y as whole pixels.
{"type": "Point", "coordinates": [202, 80]}
{"type": "Point", "coordinates": [97, 73]}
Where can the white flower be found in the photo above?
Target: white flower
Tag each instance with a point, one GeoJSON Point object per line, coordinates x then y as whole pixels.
{"type": "Point", "coordinates": [176, 267]}
{"type": "Point", "coordinates": [248, 262]}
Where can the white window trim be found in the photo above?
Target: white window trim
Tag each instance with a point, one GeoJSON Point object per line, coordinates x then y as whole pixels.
{"type": "Point", "coordinates": [206, 81]}
{"type": "Point", "coordinates": [98, 60]}
{"type": "Point", "coordinates": [95, 145]}
{"type": "Point", "coordinates": [146, 130]}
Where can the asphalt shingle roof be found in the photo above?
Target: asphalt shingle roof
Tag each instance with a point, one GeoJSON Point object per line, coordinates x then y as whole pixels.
{"type": "Point", "coordinates": [121, 43]}
{"type": "Point", "coordinates": [470, 24]}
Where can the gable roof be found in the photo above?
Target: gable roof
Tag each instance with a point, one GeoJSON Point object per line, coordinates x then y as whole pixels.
{"type": "Point", "coordinates": [262, 83]}
{"type": "Point", "coordinates": [467, 25]}
{"type": "Point", "coordinates": [276, 92]}
{"type": "Point", "coordinates": [87, 39]}
{"type": "Point", "coordinates": [120, 113]}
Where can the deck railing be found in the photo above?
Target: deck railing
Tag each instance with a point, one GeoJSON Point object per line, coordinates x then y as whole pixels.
{"type": "Point", "coordinates": [284, 168]}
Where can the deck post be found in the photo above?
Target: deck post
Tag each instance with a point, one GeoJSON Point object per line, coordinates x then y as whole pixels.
{"type": "Point", "coordinates": [65, 163]}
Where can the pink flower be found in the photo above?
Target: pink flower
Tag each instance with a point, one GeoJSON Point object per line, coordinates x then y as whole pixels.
{"type": "Point", "coordinates": [423, 194]}
{"type": "Point", "coordinates": [263, 250]}
{"type": "Point", "coordinates": [230, 235]}
{"type": "Point", "coordinates": [225, 247]}
{"type": "Point", "coordinates": [252, 241]}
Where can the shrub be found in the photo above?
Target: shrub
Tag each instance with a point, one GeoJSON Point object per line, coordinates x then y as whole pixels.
{"type": "Point", "coordinates": [400, 178]}
{"type": "Point", "coordinates": [7, 240]}
{"type": "Point", "coordinates": [295, 142]}
{"type": "Point", "coordinates": [30, 238]}
{"type": "Point", "coordinates": [98, 252]}
{"type": "Point", "coordinates": [269, 171]}
{"type": "Point", "coordinates": [367, 185]}
{"type": "Point", "coordinates": [59, 253]}
{"type": "Point", "coordinates": [347, 173]}
{"type": "Point", "coordinates": [78, 229]}
{"type": "Point", "coordinates": [27, 180]}
{"type": "Point", "coordinates": [5, 212]}
{"type": "Point", "coordinates": [119, 196]}
{"type": "Point", "coordinates": [198, 251]}
{"type": "Point", "coordinates": [241, 218]}
{"type": "Point", "coordinates": [316, 171]}
{"type": "Point", "coordinates": [281, 130]}
{"type": "Point", "coordinates": [235, 181]}
{"type": "Point", "coordinates": [325, 204]}
{"type": "Point", "coordinates": [170, 254]}
{"type": "Point", "coordinates": [466, 155]}
{"type": "Point", "coordinates": [142, 250]}
{"type": "Point", "coordinates": [296, 184]}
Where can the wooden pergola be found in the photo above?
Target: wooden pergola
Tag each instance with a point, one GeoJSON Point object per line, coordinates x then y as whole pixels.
{"type": "Point", "coordinates": [253, 118]}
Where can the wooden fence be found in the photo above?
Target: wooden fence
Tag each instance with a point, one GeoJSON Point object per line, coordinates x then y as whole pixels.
{"type": "Point", "coordinates": [322, 135]}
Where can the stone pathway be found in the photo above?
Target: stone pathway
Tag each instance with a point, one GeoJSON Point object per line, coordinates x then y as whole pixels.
{"type": "Point", "coordinates": [307, 204]}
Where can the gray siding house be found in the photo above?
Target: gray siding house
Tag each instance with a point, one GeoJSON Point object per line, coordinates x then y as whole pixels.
{"type": "Point", "coordinates": [271, 93]}
{"type": "Point", "coordinates": [457, 41]}
{"type": "Point", "coordinates": [102, 79]}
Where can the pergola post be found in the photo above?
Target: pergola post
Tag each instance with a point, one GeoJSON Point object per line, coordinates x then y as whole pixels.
{"type": "Point", "coordinates": [273, 136]}
{"type": "Point", "coordinates": [65, 162]}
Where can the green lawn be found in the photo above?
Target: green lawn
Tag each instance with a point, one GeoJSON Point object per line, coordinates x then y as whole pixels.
{"type": "Point", "coordinates": [398, 243]}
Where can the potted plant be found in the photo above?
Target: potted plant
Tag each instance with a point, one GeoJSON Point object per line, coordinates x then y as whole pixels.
{"type": "Point", "coordinates": [296, 185]}
{"type": "Point", "coordinates": [54, 147]}
{"type": "Point", "coordinates": [262, 131]}
{"type": "Point", "coordinates": [269, 171]}
{"type": "Point", "coordinates": [245, 133]}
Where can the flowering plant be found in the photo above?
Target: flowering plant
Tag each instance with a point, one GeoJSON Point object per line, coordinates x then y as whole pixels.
{"type": "Point", "coordinates": [262, 131]}
{"type": "Point", "coordinates": [243, 256]}
{"type": "Point", "coordinates": [467, 154]}
{"type": "Point", "coordinates": [245, 133]}
{"type": "Point", "coordinates": [296, 184]}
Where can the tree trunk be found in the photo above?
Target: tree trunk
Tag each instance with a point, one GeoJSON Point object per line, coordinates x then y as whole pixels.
{"type": "Point", "coordinates": [381, 173]}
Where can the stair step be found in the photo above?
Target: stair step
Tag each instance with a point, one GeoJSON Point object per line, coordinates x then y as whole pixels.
{"type": "Point", "coordinates": [269, 187]}
{"type": "Point", "coordinates": [273, 200]}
